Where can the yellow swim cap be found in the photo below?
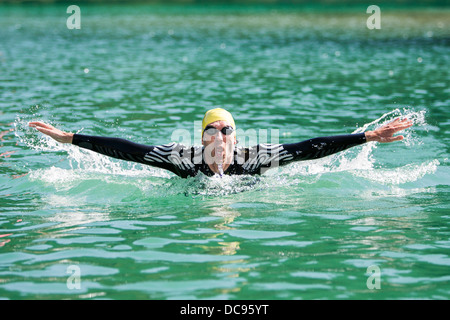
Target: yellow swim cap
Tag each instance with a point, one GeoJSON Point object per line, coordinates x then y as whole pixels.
{"type": "Point", "coordinates": [216, 115]}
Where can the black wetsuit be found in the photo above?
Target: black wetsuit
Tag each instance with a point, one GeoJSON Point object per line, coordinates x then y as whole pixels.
{"type": "Point", "coordinates": [189, 161]}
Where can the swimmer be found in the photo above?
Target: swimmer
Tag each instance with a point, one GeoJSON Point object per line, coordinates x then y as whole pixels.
{"type": "Point", "coordinates": [219, 153]}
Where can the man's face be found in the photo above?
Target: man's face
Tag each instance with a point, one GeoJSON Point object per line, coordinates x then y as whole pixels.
{"type": "Point", "coordinates": [219, 142]}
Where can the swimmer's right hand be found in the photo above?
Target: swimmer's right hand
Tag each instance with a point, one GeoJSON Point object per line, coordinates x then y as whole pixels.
{"type": "Point", "coordinates": [58, 135]}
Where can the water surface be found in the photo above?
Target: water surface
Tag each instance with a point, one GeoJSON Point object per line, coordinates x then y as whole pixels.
{"type": "Point", "coordinates": [306, 231]}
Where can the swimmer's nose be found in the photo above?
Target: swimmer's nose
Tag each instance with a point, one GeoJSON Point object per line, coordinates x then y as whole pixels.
{"type": "Point", "coordinates": [219, 136]}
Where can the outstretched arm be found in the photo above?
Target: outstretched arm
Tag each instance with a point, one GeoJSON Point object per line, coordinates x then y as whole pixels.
{"type": "Point", "coordinates": [324, 146]}
{"type": "Point", "coordinates": [113, 147]}
{"type": "Point", "coordinates": [275, 155]}
{"type": "Point", "coordinates": [157, 156]}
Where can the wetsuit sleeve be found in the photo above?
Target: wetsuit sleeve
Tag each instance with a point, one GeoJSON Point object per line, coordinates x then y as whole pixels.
{"type": "Point", "coordinates": [164, 156]}
{"type": "Point", "coordinates": [321, 147]}
{"type": "Point", "coordinates": [274, 155]}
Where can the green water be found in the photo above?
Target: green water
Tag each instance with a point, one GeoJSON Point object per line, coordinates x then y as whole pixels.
{"type": "Point", "coordinates": [309, 230]}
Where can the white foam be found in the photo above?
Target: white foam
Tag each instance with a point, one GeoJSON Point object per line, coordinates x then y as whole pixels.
{"type": "Point", "coordinates": [360, 160]}
{"type": "Point", "coordinates": [83, 165]}
{"type": "Point", "coordinates": [401, 175]}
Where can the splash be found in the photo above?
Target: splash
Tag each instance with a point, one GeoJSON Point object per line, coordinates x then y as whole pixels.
{"type": "Point", "coordinates": [417, 117]}
{"type": "Point", "coordinates": [360, 161]}
{"type": "Point", "coordinates": [202, 185]}
{"type": "Point", "coordinates": [401, 175]}
{"type": "Point", "coordinates": [84, 166]}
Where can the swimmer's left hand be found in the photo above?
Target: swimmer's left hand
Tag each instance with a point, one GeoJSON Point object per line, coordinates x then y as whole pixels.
{"type": "Point", "coordinates": [386, 132]}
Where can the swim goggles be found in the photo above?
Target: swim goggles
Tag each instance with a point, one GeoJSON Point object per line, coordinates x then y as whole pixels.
{"type": "Point", "coordinates": [212, 131]}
